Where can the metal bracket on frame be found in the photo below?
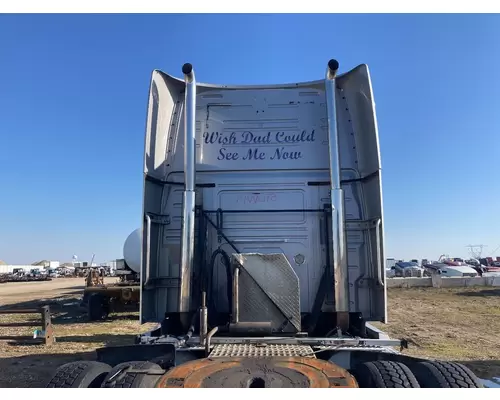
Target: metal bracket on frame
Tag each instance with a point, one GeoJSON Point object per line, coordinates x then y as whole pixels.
{"type": "Point", "coordinates": [163, 282]}
{"type": "Point", "coordinates": [160, 219]}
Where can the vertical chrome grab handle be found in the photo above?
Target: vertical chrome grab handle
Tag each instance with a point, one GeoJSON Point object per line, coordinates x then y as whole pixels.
{"type": "Point", "coordinates": [379, 262]}
{"type": "Point", "coordinates": [148, 249]}
{"type": "Point", "coordinates": [236, 294]}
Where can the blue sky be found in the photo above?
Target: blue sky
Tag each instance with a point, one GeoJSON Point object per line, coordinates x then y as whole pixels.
{"type": "Point", "coordinates": [73, 97]}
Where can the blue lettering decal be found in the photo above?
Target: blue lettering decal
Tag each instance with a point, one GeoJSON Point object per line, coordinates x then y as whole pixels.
{"type": "Point", "coordinates": [282, 137]}
{"type": "Point", "coordinates": [255, 154]}
{"type": "Point", "coordinates": [230, 140]}
{"type": "Point", "coordinates": [225, 155]}
{"type": "Point", "coordinates": [247, 137]}
{"type": "Point", "coordinates": [287, 140]}
{"type": "Point", "coordinates": [210, 137]}
{"type": "Point", "coordinates": [281, 154]}
{"type": "Point", "coordinates": [252, 138]}
{"type": "Point", "coordinates": [219, 138]}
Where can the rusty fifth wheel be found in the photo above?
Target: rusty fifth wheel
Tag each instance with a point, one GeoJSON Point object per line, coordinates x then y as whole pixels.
{"type": "Point", "coordinates": [241, 372]}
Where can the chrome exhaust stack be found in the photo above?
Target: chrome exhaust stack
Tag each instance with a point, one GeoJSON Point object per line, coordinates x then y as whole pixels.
{"type": "Point", "coordinates": [187, 239]}
{"type": "Point", "coordinates": [341, 276]}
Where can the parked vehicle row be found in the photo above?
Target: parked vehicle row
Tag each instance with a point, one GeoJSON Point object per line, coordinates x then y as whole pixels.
{"type": "Point", "coordinates": [446, 266]}
{"type": "Point", "coordinates": [405, 269]}
{"type": "Point", "coordinates": [450, 270]}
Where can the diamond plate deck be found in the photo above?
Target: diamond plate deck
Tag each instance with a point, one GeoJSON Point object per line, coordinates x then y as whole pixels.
{"type": "Point", "coordinates": [269, 291]}
{"type": "Point", "coordinates": [269, 350]}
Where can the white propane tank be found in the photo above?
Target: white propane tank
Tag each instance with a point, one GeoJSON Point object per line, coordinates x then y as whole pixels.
{"type": "Point", "coordinates": [132, 250]}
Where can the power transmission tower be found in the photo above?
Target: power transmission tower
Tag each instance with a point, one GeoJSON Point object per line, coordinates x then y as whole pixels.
{"type": "Point", "coordinates": [476, 250]}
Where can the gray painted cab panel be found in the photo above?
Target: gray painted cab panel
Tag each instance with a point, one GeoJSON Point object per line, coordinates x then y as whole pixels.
{"type": "Point", "coordinates": [265, 148]}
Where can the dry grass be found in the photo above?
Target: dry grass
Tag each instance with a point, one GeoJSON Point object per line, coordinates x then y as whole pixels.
{"type": "Point", "coordinates": [450, 323]}
{"type": "Point", "coordinates": [460, 324]}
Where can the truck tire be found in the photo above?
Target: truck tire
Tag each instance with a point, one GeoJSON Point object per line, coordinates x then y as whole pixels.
{"type": "Point", "coordinates": [132, 380]}
{"type": "Point", "coordinates": [443, 374]}
{"type": "Point", "coordinates": [385, 374]}
{"type": "Point", "coordinates": [79, 374]}
{"type": "Point", "coordinates": [97, 308]}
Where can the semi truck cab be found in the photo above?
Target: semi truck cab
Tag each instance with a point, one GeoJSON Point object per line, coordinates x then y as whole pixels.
{"type": "Point", "coordinates": [262, 257]}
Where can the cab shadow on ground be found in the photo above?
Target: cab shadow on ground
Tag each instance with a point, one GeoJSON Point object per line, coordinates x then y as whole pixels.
{"type": "Point", "coordinates": [64, 310]}
{"type": "Point", "coordinates": [69, 322]}
{"type": "Point", "coordinates": [35, 370]}
{"type": "Point", "coordinates": [481, 293]}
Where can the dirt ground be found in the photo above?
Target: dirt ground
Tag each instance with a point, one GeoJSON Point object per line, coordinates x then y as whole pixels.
{"type": "Point", "coordinates": [460, 324]}
{"type": "Point", "coordinates": [456, 324]}
{"type": "Point", "coordinates": [31, 365]}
